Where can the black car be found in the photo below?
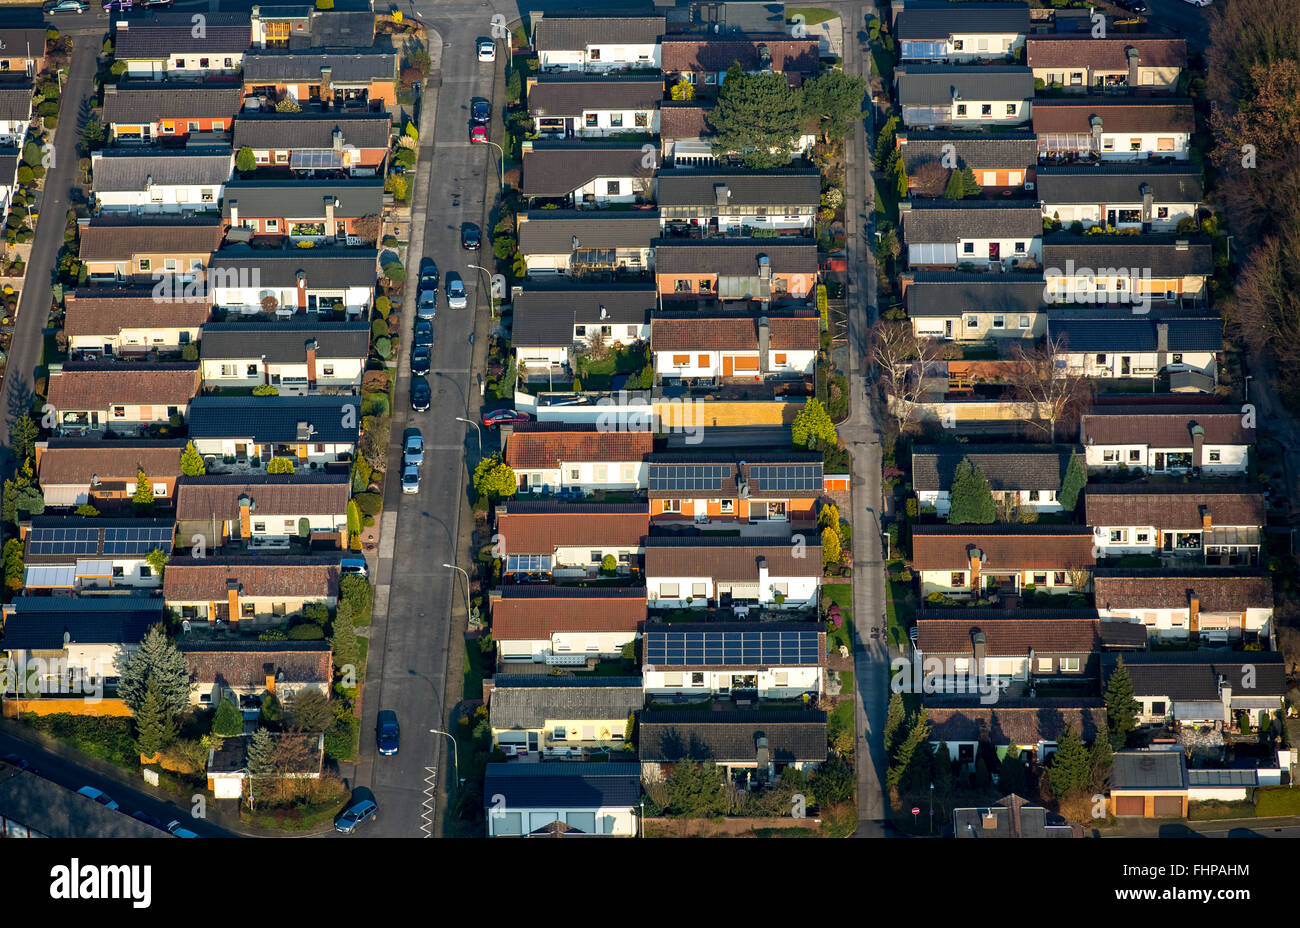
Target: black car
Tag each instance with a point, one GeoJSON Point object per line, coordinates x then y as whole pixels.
{"type": "Point", "coordinates": [387, 733]}
{"type": "Point", "coordinates": [470, 238]}
{"type": "Point", "coordinates": [421, 395]}
{"type": "Point", "coordinates": [149, 819]}
{"type": "Point", "coordinates": [360, 808]}
{"type": "Point", "coordinates": [15, 760]}
{"type": "Point", "coordinates": [428, 272]}
{"type": "Point", "coordinates": [420, 360]}
{"type": "Point", "coordinates": [480, 111]}
{"type": "Point", "coordinates": [423, 333]}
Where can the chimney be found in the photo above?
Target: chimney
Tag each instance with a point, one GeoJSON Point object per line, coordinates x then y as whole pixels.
{"type": "Point", "coordinates": [1095, 124]}
{"type": "Point", "coordinates": [312, 346]}
{"type": "Point", "coordinates": [1134, 60]}
{"type": "Point", "coordinates": [1194, 614]}
{"type": "Point", "coordinates": [1225, 695]}
{"type": "Point", "coordinates": [764, 267]}
{"type": "Point", "coordinates": [337, 138]}
{"type": "Point", "coordinates": [763, 759]}
{"type": "Point", "coordinates": [232, 599]}
{"type": "Point", "coordinates": [1198, 445]}
{"type": "Point", "coordinates": [1162, 344]}
{"type": "Point", "coordinates": [764, 344]}
{"type": "Point", "coordinates": [326, 84]}
{"type": "Point", "coordinates": [981, 653]}
{"type": "Point", "coordinates": [494, 596]}
{"type": "Point", "coordinates": [1206, 522]}
{"type": "Point", "coordinates": [1148, 202]}
{"type": "Point", "coordinates": [234, 214]}
{"type": "Point", "coordinates": [83, 222]}
{"type": "Point", "coordinates": [255, 19]}
{"type": "Point", "coordinates": [721, 195]}
{"type": "Point", "coordinates": [245, 517]}
{"type": "Point", "coordinates": [268, 671]}
{"type": "Point", "coordinates": [330, 203]}
{"type": "Point", "coordinates": [976, 555]}
{"type": "Point", "coordinates": [763, 576]}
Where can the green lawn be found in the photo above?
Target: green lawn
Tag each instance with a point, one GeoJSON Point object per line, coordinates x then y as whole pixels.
{"type": "Point", "coordinates": [619, 668]}
{"type": "Point", "coordinates": [812, 16]}
{"type": "Point", "coordinates": [900, 611]}
{"type": "Point", "coordinates": [882, 63]}
{"type": "Point", "coordinates": [887, 199]}
{"type": "Point", "coordinates": [842, 595]}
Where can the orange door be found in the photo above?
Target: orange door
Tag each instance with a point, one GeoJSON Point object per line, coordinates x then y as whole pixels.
{"type": "Point", "coordinates": [727, 366]}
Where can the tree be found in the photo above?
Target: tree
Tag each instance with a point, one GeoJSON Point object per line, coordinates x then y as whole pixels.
{"type": "Point", "coordinates": [942, 773]}
{"type": "Point", "coordinates": [683, 91]}
{"type": "Point", "coordinates": [15, 571]}
{"type": "Point", "coordinates": [1076, 477]}
{"type": "Point", "coordinates": [261, 754]}
{"type": "Point", "coordinates": [155, 728]}
{"type": "Point", "coordinates": [22, 437]}
{"type": "Point", "coordinates": [375, 433]}
{"type": "Point", "coordinates": [929, 179]}
{"type": "Point", "coordinates": [157, 657]}
{"type": "Point", "coordinates": [142, 501]}
{"type": "Point", "coordinates": [972, 499]}
{"type": "Point", "coordinates": [903, 773]}
{"type": "Point", "coordinates": [830, 547]}
{"type": "Point", "coordinates": [902, 357]}
{"type": "Point", "coordinates": [886, 142]}
{"type": "Point", "coordinates": [279, 466]}
{"type": "Point", "coordinates": [228, 720]}
{"type": "Point", "coordinates": [696, 790]}
{"type": "Point", "coordinates": [1121, 708]}
{"type": "Point", "coordinates": [245, 161]}
{"type": "Point", "coordinates": [1013, 774]}
{"type": "Point", "coordinates": [756, 117]}
{"type": "Point", "coordinates": [1049, 390]}
{"type": "Point", "coordinates": [1267, 309]}
{"type": "Point", "coordinates": [1101, 759]}
{"type": "Point", "coordinates": [812, 427]}
{"type": "Point", "coordinates": [92, 135]}
{"type": "Point", "coordinates": [962, 184]}
{"type": "Point", "coordinates": [157, 560]}
{"type": "Point", "coordinates": [895, 716]}
{"type": "Point", "coordinates": [834, 99]}
{"type": "Point", "coordinates": [494, 478]}
{"type": "Point", "coordinates": [829, 517]}
{"type": "Point", "coordinates": [834, 781]}
{"type": "Point", "coordinates": [192, 462]}
{"type": "Point", "coordinates": [343, 641]}
{"type": "Point", "coordinates": [311, 711]}
{"type": "Point", "coordinates": [288, 105]}
{"type": "Point", "coordinates": [1071, 768]}
{"type": "Point", "coordinates": [272, 712]}
{"type": "Point", "coordinates": [354, 518]}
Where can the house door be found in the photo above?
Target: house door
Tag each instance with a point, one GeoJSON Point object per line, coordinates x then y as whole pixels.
{"type": "Point", "coordinates": [947, 329]}
{"type": "Point", "coordinates": [995, 251]}
{"type": "Point", "coordinates": [1125, 368]}
{"type": "Point", "coordinates": [728, 366]}
{"type": "Point", "coordinates": [532, 741]}
{"type": "Point", "coordinates": [1159, 462]}
{"type": "Point", "coordinates": [701, 510]}
{"type": "Point", "coordinates": [1112, 217]}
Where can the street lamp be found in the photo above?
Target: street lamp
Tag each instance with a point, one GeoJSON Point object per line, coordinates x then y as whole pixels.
{"type": "Point", "coordinates": [931, 808]}
{"type": "Point", "coordinates": [501, 161]}
{"type": "Point", "coordinates": [487, 275]}
{"type": "Point", "coordinates": [466, 573]}
{"type": "Point", "coordinates": [478, 430]}
{"type": "Point", "coordinates": [455, 752]}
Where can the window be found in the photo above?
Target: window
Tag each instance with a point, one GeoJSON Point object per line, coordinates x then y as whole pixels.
{"type": "Point", "coordinates": [592, 120]}
{"type": "Point", "coordinates": [1044, 665]}
{"type": "Point", "coordinates": [1118, 536]}
{"type": "Point", "coordinates": [597, 557]}
{"type": "Point", "coordinates": [259, 527]}
{"type": "Point", "coordinates": [205, 196]}
{"type": "Point", "coordinates": [1110, 457]}
{"type": "Point", "coordinates": [575, 473]}
{"type": "Point", "coordinates": [640, 120]}
{"type": "Point", "coordinates": [1011, 109]}
{"type": "Point", "coordinates": [1148, 77]}
{"type": "Point", "coordinates": [273, 225]}
{"type": "Point", "coordinates": [119, 412]}
{"type": "Point", "coordinates": [593, 54]}
{"type": "Point", "coordinates": [616, 120]}
{"type": "Point", "coordinates": [710, 77]}
{"type": "Point", "coordinates": [681, 360]}
{"type": "Point", "coordinates": [1107, 144]}
{"type": "Point", "coordinates": [1215, 457]}
{"type": "Point", "coordinates": [727, 507]}
{"type": "Point", "coordinates": [682, 286]}
{"type": "Point", "coordinates": [670, 591]}
{"type": "Point", "coordinates": [252, 370]}
{"type": "Point", "coordinates": [193, 126]}
{"type": "Point", "coordinates": [968, 248]}
{"type": "Point", "coordinates": [612, 188]}
{"type": "Point", "coordinates": [559, 734]}
{"type": "Point", "coordinates": [1076, 78]}
{"type": "Point", "coordinates": [972, 322]}
{"type": "Point", "coordinates": [957, 580]}
{"type": "Point", "coordinates": [1040, 579]}
{"type": "Point", "coordinates": [699, 590]}
{"type": "Point", "coordinates": [1069, 665]}
{"type": "Point", "coordinates": [228, 370]}
{"type": "Point", "coordinates": [780, 359]}
{"type": "Point", "coordinates": [146, 264]}
{"type": "Point", "coordinates": [958, 44]}
{"type": "Point", "coordinates": [961, 109]}
{"type": "Point", "coordinates": [999, 322]}
{"type": "Point", "coordinates": [1162, 212]}
{"type": "Point", "coordinates": [1165, 144]}
{"type": "Point", "coordinates": [1158, 708]}
{"type": "Point", "coordinates": [672, 505]}
{"type": "Point", "coordinates": [1024, 322]}
{"type": "Point", "coordinates": [1134, 456]}
{"type": "Point", "coordinates": [1142, 538]}
{"type": "Point", "coordinates": [986, 109]}
{"type": "Point", "coordinates": [782, 678]}
{"type": "Point", "coordinates": [282, 157]}
{"type": "Point", "coordinates": [579, 331]}
{"type": "Point", "coordinates": [247, 610]}
{"type": "Point", "coordinates": [180, 62]}
{"type": "Point", "coordinates": [602, 473]}
{"type": "Point", "coordinates": [629, 473]}
{"type": "Point", "coordinates": [706, 286]}
{"type": "Point", "coordinates": [631, 331]}
{"type": "Point", "coordinates": [169, 264]}
{"type": "Point", "coordinates": [227, 62]}
{"type": "Point", "coordinates": [118, 571]}
{"type": "Point", "coordinates": [159, 490]}
{"type": "Point", "coordinates": [1178, 358]}
{"type": "Point", "coordinates": [328, 370]}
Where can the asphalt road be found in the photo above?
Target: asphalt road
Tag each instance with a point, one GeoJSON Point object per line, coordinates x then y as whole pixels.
{"type": "Point", "coordinates": [1187, 20]}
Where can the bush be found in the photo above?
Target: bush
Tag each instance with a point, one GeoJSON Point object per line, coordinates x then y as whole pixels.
{"type": "Point", "coordinates": [25, 175]}
{"type": "Point", "coordinates": [405, 157]}
{"type": "Point", "coordinates": [383, 305]}
{"type": "Point", "coordinates": [395, 272]}
{"type": "Point", "coordinates": [383, 347]}
{"type": "Point", "coordinates": [51, 122]}
{"type": "Point", "coordinates": [266, 389]}
{"type": "Point", "coordinates": [369, 504]}
{"type": "Point", "coordinates": [379, 328]}
{"type": "Point", "coordinates": [376, 405]}
{"type": "Point", "coordinates": [308, 631]}
{"type": "Point", "coordinates": [190, 352]}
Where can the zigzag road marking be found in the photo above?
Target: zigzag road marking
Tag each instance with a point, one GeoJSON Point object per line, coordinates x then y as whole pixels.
{"type": "Point", "coordinates": [426, 808]}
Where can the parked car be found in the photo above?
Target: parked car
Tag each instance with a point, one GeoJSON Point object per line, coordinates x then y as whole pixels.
{"type": "Point", "coordinates": [426, 307]}
{"type": "Point", "coordinates": [412, 447]}
{"type": "Point", "coordinates": [411, 479]}
{"type": "Point", "coordinates": [22, 763]}
{"type": "Point", "coordinates": [387, 731]}
{"type": "Point", "coordinates": [504, 417]}
{"type": "Point", "coordinates": [156, 4]}
{"type": "Point", "coordinates": [487, 50]}
{"type": "Point", "coordinates": [480, 111]}
{"type": "Point", "coordinates": [175, 828]}
{"type": "Point", "coordinates": [428, 274]}
{"type": "Point", "coordinates": [420, 360]}
{"type": "Point", "coordinates": [117, 6]}
{"type": "Point", "coordinates": [66, 6]}
{"type": "Point", "coordinates": [423, 333]}
{"type": "Point", "coordinates": [99, 796]}
{"type": "Point", "coordinates": [361, 807]}
{"type": "Point", "coordinates": [148, 819]}
{"type": "Point", "coordinates": [456, 292]}
{"type": "Point", "coordinates": [421, 395]}
{"type": "Point", "coordinates": [353, 565]}
{"type": "Point", "coordinates": [478, 134]}
{"type": "Point", "coordinates": [470, 238]}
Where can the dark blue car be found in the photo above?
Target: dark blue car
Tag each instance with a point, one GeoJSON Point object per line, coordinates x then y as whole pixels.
{"type": "Point", "coordinates": [387, 732]}
{"type": "Point", "coordinates": [360, 808]}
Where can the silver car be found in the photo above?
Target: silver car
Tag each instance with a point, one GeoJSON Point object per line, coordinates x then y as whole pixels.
{"type": "Point", "coordinates": [456, 293]}
{"type": "Point", "coordinates": [413, 448]}
{"type": "Point", "coordinates": [411, 478]}
{"type": "Point", "coordinates": [427, 306]}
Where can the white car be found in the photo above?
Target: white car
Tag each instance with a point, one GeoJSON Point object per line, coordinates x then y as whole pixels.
{"type": "Point", "coordinates": [487, 50]}
{"type": "Point", "coordinates": [411, 478]}
{"type": "Point", "coordinates": [1198, 2]}
{"type": "Point", "coordinates": [456, 294]}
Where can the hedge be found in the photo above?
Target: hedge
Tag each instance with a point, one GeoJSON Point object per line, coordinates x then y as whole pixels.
{"type": "Point", "coordinates": [369, 504]}
{"type": "Point", "coordinates": [1277, 800]}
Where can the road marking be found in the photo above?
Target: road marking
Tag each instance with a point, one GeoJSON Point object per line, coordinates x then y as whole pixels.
{"type": "Point", "coordinates": [426, 807]}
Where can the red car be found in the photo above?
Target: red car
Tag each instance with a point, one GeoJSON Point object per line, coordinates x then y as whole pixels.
{"type": "Point", "coordinates": [504, 417]}
{"type": "Point", "coordinates": [478, 134]}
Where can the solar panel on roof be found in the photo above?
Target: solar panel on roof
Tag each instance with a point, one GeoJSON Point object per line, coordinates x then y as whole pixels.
{"type": "Point", "coordinates": [63, 541]}
{"type": "Point", "coordinates": [315, 159]}
{"type": "Point", "coordinates": [731, 648]}
{"type": "Point", "coordinates": [688, 476]}
{"type": "Point", "coordinates": [528, 563]}
{"type": "Point", "coordinates": [786, 476]}
{"type": "Point", "coordinates": [137, 540]}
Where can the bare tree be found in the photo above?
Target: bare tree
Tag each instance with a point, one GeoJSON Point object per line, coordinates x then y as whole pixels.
{"type": "Point", "coordinates": [929, 179]}
{"type": "Point", "coordinates": [902, 356]}
{"type": "Point", "coordinates": [1048, 389]}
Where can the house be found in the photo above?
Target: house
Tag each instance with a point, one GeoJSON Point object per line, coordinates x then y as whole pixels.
{"type": "Point", "coordinates": [1117, 61]}
{"type": "Point", "coordinates": [562, 799]}
{"type": "Point", "coordinates": [971, 650]}
{"type": "Point", "coordinates": [162, 50]}
{"type": "Point", "coordinates": [746, 661]}
{"type": "Point", "coordinates": [745, 487]}
{"type": "Point", "coordinates": [34, 807]}
{"type": "Point", "coordinates": [964, 96]}
{"type": "Point", "coordinates": [550, 323]}
{"type": "Point", "coordinates": [974, 306]}
{"type": "Point", "coordinates": [1113, 129]}
{"type": "Point", "coordinates": [1148, 197]}
{"type": "Point", "coordinates": [22, 47]}
{"type": "Point", "coordinates": [752, 747]}
{"type": "Point", "coordinates": [973, 560]}
{"type": "Point", "coordinates": [1034, 726]}
{"type": "Point", "coordinates": [365, 79]}
{"type": "Point", "coordinates": [1204, 687]}
{"type": "Point", "coordinates": [701, 571]}
{"type": "Point", "coordinates": [980, 233]}
{"type": "Point", "coordinates": [9, 164]}
{"type": "Point", "coordinates": [998, 160]}
{"type": "Point", "coordinates": [1029, 476]}
{"type": "Point", "coordinates": [309, 143]}
{"type": "Point", "coordinates": [572, 42]}
{"type": "Point", "coordinates": [733, 202]}
{"type": "Point", "coordinates": [778, 345]}
{"type": "Point", "coordinates": [127, 249]}
{"type": "Point", "coordinates": [1138, 346]}
{"type": "Point", "coordinates": [302, 210]}
{"type": "Point", "coordinates": [762, 269]}
{"type": "Point", "coordinates": [305, 27]}
{"type": "Point", "coordinates": [587, 173]}
{"type": "Point", "coordinates": [143, 111]}
{"type": "Point", "coordinates": [562, 716]}
{"type": "Point", "coordinates": [1214, 439]}
{"type": "Point", "coordinates": [1161, 268]}
{"type": "Point", "coordinates": [1212, 604]}
{"type": "Point", "coordinates": [76, 471]}
{"type": "Point", "coordinates": [72, 554]}
{"type": "Point", "coordinates": [327, 357]}
{"type": "Point", "coordinates": [264, 511]}
{"type": "Point", "coordinates": [966, 32]}
{"type": "Point", "coordinates": [1215, 523]}
{"type": "Point", "coordinates": [564, 625]}
{"type": "Point", "coordinates": [248, 431]}
{"type": "Point", "coordinates": [107, 396]}
{"type": "Point", "coordinates": [249, 591]}
{"type": "Point", "coordinates": [703, 60]}
{"type": "Point", "coordinates": [587, 242]}
{"type": "Point", "coordinates": [1011, 817]}
{"type": "Point", "coordinates": [227, 768]}
{"type": "Point", "coordinates": [571, 540]}
{"type": "Point", "coordinates": [1149, 782]}
{"type": "Point", "coordinates": [250, 671]}
{"type": "Point", "coordinates": [15, 111]}
{"type": "Point", "coordinates": [559, 457]}
{"type": "Point", "coordinates": [685, 135]}
{"type": "Point", "coordinates": [148, 181]}
{"type": "Point", "coordinates": [577, 105]}
{"type": "Point", "coordinates": [130, 321]}
{"type": "Point", "coordinates": [293, 280]}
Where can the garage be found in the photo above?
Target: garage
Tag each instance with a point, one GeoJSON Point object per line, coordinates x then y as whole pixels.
{"type": "Point", "coordinates": [1169, 807]}
{"type": "Point", "coordinates": [1129, 805]}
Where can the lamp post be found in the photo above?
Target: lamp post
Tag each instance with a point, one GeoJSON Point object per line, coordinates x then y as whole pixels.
{"type": "Point", "coordinates": [455, 751]}
{"type": "Point", "coordinates": [487, 275]}
{"type": "Point", "coordinates": [931, 808]}
{"type": "Point", "coordinates": [466, 573]}
{"type": "Point", "coordinates": [477, 430]}
{"type": "Point", "coordinates": [501, 160]}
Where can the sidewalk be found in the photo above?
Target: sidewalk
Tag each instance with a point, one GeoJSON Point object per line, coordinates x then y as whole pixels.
{"type": "Point", "coordinates": [1182, 828]}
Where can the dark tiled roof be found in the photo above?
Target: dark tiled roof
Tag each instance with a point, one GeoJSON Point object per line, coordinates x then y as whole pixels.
{"type": "Point", "coordinates": [718, 53]}
{"type": "Point", "coordinates": [533, 613]}
{"type": "Point", "coordinates": [1022, 467]}
{"type": "Point", "coordinates": [189, 579]}
{"type": "Point", "coordinates": [1194, 675]}
{"type": "Point", "coordinates": [1115, 334]}
{"type": "Point", "coordinates": [112, 238]}
{"type": "Point", "coordinates": [341, 28]}
{"type": "Point", "coordinates": [1164, 426]}
{"type": "Point", "coordinates": [709, 331]}
{"type": "Point", "coordinates": [540, 528]}
{"type": "Point", "coordinates": [574, 31]}
{"type": "Point", "coordinates": [950, 293]}
{"type": "Point", "coordinates": [303, 199]}
{"type": "Point", "coordinates": [1109, 53]}
{"type": "Point", "coordinates": [1138, 114]}
{"type": "Point", "coordinates": [1014, 721]}
{"type": "Point", "coordinates": [688, 187]}
{"type": "Point", "coordinates": [293, 67]}
{"type": "Point", "coordinates": [325, 267]}
{"type": "Point", "coordinates": [732, 737]}
{"type": "Point", "coordinates": [551, 231]}
{"type": "Point", "coordinates": [104, 311]}
{"type": "Point", "coordinates": [130, 170]}
{"type": "Point", "coordinates": [545, 317]}
{"type": "Point", "coordinates": [1000, 151]}
{"type": "Point", "coordinates": [530, 702]}
{"type": "Point", "coordinates": [1166, 255]}
{"type": "Point", "coordinates": [572, 94]}
{"type": "Point", "coordinates": [1217, 590]}
{"type": "Point", "coordinates": [74, 461]}
{"type": "Point", "coordinates": [1011, 817]}
{"type": "Point", "coordinates": [1114, 183]}
{"type": "Point", "coordinates": [737, 257]}
{"type": "Point", "coordinates": [728, 558]}
{"type": "Point", "coordinates": [273, 495]}
{"type": "Point", "coordinates": [1017, 547]}
{"type": "Point", "coordinates": [145, 40]}
{"type": "Point", "coordinates": [564, 786]}
{"type": "Point", "coordinates": [29, 41]}
{"type": "Point", "coordinates": [1149, 770]}
{"type": "Point", "coordinates": [55, 811]}
{"type": "Point", "coordinates": [98, 384]}
{"type": "Point", "coordinates": [284, 342]}
{"type": "Point", "coordinates": [245, 664]}
{"type": "Point", "coordinates": [949, 220]}
{"type": "Point", "coordinates": [149, 101]}
{"type": "Point", "coordinates": [557, 168]}
{"type": "Point", "coordinates": [937, 21]}
{"type": "Point", "coordinates": [275, 418]}
{"type": "Point", "coordinates": [40, 622]}
{"type": "Point", "coordinates": [935, 84]}
{"type": "Point", "coordinates": [311, 130]}
{"type": "Point", "coordinates": [528, 449]}
{"type": "Point", "coordinates": [16, 101]}
{"type": "Point", "coordinates": [1012, 633]}
{"type": "Point", "coordinates": [1179, 506]}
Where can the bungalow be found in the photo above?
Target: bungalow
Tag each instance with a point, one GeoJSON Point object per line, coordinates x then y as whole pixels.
{"type": "Point", "coordinates": [76, 471]}
{"type": "Point", "coordinates": [743, 487]}
{"type": "Point", "coordinates": [9, 164]}
{"type": "Point", "coordinates": [144, 181]}
{"type": "Point", "coordinates": [96, 396]}
{"type": "Point", "coordinates": [298, 359]}
{"type": "Point", "coordinates": [293, 280]}
{"type": "Point", "coordinates": [251, 671]}
{"type": "Point", "coordinates": [550, 323]}
{"type": "Point", "coordinates": [703, 60]}
{"type": "Point", "coordinates": [1011, 817]}
{"type": "Point", "coordinates": [973, 306]}
{"type": "Point", "coordinates": [1214, 523]}
{"type": "Point", "coordinates": [769, 572]}
{"type": "Point", "coordinates": [127, 322]}
{"type": "Point", "coordinates": [965, 32]}
{"type": "Point", "coordinates": [309, 143]}
{"type": "Point", "coordinates": [974, 560]}
{"type": "Point", "coordinates": [746, 661]}
{"type": "Point", "coordinates": [582, 242]}
{"type": "Point", "coordinates": [571, 540]}
{"type": "Point", "coordinates": [1212, 604]}
{"type": "Point", "coordinates": [125, 249]}
{"type": "Point", "coordinates": [558, 457]}
{"type": "Point", "coordinates": [980, 233]}
{"type": "Point", "coordinates": [998, 160]}
{"type": "Point", "coordinates": [752, 747]}
{"type": "Point", "coordinates": [734, 202]}
{"type": "Point", "coordinates": [685, 135]}
{"type": "Point", "coordinates": [964, 96]}
{"type": "Point", "coordinates": [1204, 687]}
{"type": "Point", "coordinates": [143, 111]}
{"type": "Point", "coordinates": [775, 346]}
{"type": "Point", "coordinates": [305, 27]}
{"type": "Point", "coordinates": [1118, 61]}
{"type": "Point", "coordinates": [1165, 268]}
{"type": "Point", "coordinates": [1137, 346]}
{"type": "Point", "coordinates": [1034, 726]}
{"type": "Point", "coordinates": [161, 50]}
{"type": "Point", "coordinates": [587, 173]}
{"type": "Point", "coordinates": [520, 800]}
{"type": "Point", "coordinates": [1111, 129]}
{"type": "Point", "coordinates": [562, 716]}
{"type": "Point", "coordinates": [15, 112]}
{"type": "Point", "coordinates": [1210, 439]}
{"type": "Point", "coordinates": [256, 591]}
{"type": "Point", "coordinates": [70, 555]}
{"type": "Point", "coordinates": [22, 48]}
{"type": "Point", "coordinates": [564, 625]}
{"type": "Point", "coordinates": [263, 511]}
{"type": "Point", "coordinates": [346, 212]}
{"type": "Point", "coordinates": [1121, 196]}
{"type": "Point", "coordinates": [363, 79]}
{"type": "Point", "coordinates": [1029, 476]}
{"type": "Point", "coordinates": [227, 767]}
{"type": "Point", "coordinates": [1149, 782]}
{"type": "Point", "coordinates": [585, 106]}
{"type": "Point", "coordinates": [249, 431]}
{"type": "Point", "coordinates": [573, 42]}
{"type": "Point", "coordinates": [736, 269]}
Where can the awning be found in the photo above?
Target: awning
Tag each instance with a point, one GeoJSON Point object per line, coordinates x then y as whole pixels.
{"type": "Point", "coordinates": [1197, 711]}
{"type": "Point", "coordinates": [529, 563]}
{"type": "Point", "coordinates": [50, 577]}
{"type": "Point", "coordinates": [94, 569]}
{"type": "Point", "coordinates": [1233, 535]}
{"type": "Point", "coordinates": [316, 160]}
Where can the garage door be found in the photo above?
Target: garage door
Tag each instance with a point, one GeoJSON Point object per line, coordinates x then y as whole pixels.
{"type": "Point", "coordinates": [1169, 807]}
{"type": "Point", "coordinates": [1129, 805]}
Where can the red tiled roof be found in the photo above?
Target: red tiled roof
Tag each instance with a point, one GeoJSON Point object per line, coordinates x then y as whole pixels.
{"type": "Point", "coordinates": [1167, 427]}
{"type": "Point", "coordinates": [1223, 593]}
{"type": "Point", "coordinates": [1178, 506]}
{"type": "Point", "coordinates": [1148, 116]}
{"type": "Point", "coordinates": [551, 449]}
{"type": "Point", "coordinates": [533, 618]}
{"type": "Point", "coordinates": [1015, 550]}
{"type": "Point", "coordinates": [103, 386]}
{"type": "Point", "coordinates": [1007, 722]}
{"type": "Point", "coordinates": [575, 526]}
{"type": "Point", "coordinates": [709, 53]}
{"type": "Point", "coordinates": [725, 334]}
{"type": "Point", "coordinates": [240, 667]}
{"type": "Point", "coordinates": [1009, 636]}
{"type": "Point", "coordinates": [88, 314]}
{"type": "Point", "coordinates": [1057, 51]}
{"type": "Point", "coordinates": [109, 461]}
{"type": "Point", "coordinates": [207, 579]}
